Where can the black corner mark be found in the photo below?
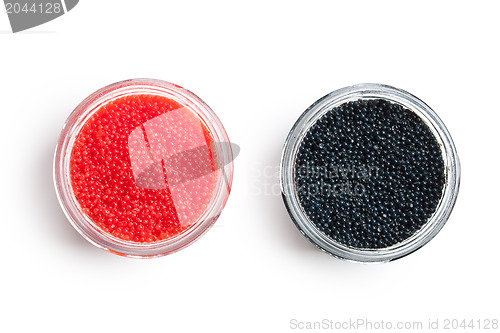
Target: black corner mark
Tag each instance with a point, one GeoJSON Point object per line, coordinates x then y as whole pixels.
{"type": "Point", "coordinates": [70, 4]}
{"type": "Point", "coordinates": [26, 14]}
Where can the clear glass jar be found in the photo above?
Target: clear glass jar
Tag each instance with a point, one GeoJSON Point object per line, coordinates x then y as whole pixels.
{"type": "Point", "coordinates": [63, 183]}
{"type": "Point", "coordinates": [428, 116]}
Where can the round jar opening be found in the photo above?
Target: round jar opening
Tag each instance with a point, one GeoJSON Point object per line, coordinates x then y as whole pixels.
{"type": "Point", "coordinates": [369, 173]}
{"type": "Point", "coordinates": [143, 168]}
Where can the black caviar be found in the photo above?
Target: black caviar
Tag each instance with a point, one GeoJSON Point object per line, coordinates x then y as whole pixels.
{"type": "Point", "coordinates": [369, 173]}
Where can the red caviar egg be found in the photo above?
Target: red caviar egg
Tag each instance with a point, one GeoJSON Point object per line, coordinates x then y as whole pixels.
{"type": "Point", "coordinates": [142, 168]}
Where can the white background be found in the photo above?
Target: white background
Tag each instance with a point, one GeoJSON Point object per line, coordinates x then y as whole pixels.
{"type": "Point", "coordinates": [259, 65]}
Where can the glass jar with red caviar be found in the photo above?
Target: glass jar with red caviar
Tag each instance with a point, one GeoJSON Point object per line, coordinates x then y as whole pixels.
{"type": "Point", "coordinates": [143, 168]}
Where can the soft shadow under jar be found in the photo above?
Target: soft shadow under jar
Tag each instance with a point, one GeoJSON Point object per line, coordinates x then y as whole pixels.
{"type": "Point", "coordinates": [369, 173]}
{"type": "Point", "coordinates": [143, 168]}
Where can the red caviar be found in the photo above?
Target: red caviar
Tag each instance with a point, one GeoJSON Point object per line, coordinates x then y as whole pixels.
{"type": "Point", "coordinates": [142, 168]}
